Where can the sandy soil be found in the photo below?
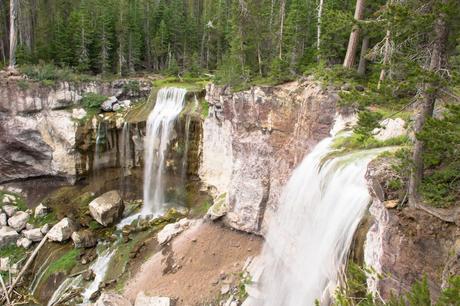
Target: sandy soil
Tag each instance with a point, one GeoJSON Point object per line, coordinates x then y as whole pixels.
{"type": "Point", "coordinates": [194, 266]}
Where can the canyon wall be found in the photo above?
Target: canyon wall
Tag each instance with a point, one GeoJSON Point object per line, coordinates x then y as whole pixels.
{"type": "Point", "coordinates": [37, 128]}
{"type": "Point", "coordinates": [252, 140]}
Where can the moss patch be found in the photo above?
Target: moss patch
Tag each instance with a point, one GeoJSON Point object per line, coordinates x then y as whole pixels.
{"type": "Point", "coordinates": [63, 264]}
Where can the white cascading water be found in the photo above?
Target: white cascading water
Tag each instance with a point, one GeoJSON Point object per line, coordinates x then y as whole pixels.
{"type": "Point", "coordinates": [309, 237]}
{"type": "Point", "coordinates": [160, 128]}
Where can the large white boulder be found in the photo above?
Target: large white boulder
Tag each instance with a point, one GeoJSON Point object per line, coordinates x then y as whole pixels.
{"type": "Point", "coordinates": [7, 236]}
{"type": "Point", "coordinates": [172, 230]}
{"type": "Point", "coordinates": [34, 235]}
{"type": "Point", "coordinates": [19, 220]}
{"type": "Point", "coordinates": [144, 300]}
{"type": "Point", "coordinates": [62, 230]}
{"type": "Point", "coordinates": [107, 209]}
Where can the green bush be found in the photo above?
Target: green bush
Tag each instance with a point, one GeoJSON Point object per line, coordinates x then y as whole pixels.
{"type": "Point", "coordinates": [92, 100]}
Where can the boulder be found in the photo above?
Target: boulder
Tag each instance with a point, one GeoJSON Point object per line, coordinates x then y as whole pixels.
{"type": "Point", "coordinates": [24, 242]}
{"type": "Point", "coordinates": [29, 226]}
{"type": "Point", "coordinates": [172, 230]}
{"type": "Point", "coordinates": [41, 211]}
{"type": "Point", "coordinates": [7, 236]}
{"type": "Point", "coordinates": [78, 113]}
{"type": "Point", "coordinates": [34, 235]}
{"type": "Point", "coordinates": [107, 105]}
{"type": "Point", "coordinates": [10, 210]}
{"type": "Point", "coordinates": [219, 209]}
{"type": "Point", "coordinates": [8, 198]}
{"type": "Point", "coordinates": [112, 299]}
{"type": "Point", "coordinates": [45, 229]}
{"type": "Point", "coordinates": [144, 300]}
{"type": "Point", "coordinates": [3, 219]}
{"type": "Point", "coordinates": [84, 239]}
{"type": "Point", "coordinates": [107, 209]}
{"type": "Point", "coordinates": [18, 221]}
{"type": "Point", "coordinates": [62, 230]}
{"type": "Point", "coordinates": [4, 264]}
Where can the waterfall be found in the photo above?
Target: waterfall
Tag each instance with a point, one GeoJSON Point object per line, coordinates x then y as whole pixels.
{"type": "Point", "coordinates": [309, 237]}
{"type": "Point", "coordinates": [160, 128]}
{"type": "Point", "coordinates": [101, 143]}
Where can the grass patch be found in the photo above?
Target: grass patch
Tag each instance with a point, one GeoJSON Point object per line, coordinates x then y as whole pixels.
{"type": "Point", "coordinates": [191, 84]}
{"type": "Point", "coordinates": [13, 252]}
{"type": "Point", "coordinates": [50, 218]}
{"type": "Point", "coordinates": [356, 142]}
{"type": "Point", "coordinates": [204, 108]}
{"type": "Point", "coordinates": [49, 74]}
{"type": "Point", "coordinates": [64, 264]}
{"type": "Point", "coordinates": [20, 202]}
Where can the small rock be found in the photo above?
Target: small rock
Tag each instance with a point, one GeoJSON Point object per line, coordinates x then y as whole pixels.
{"type": "Point", "coordinates": [78, 113]}
{"type": "Point", "coordinates": [3, 219]}
{"type": "Point", "coordinates": [41, 211]}
{"type": "Point", "coordinates": [144, 300]}
{"type": "Point", "coordinates": [107, 105]}
{"type": "Point", "coordinates": [29, 226]}
{"type": "Point", "coordinates": [88, 275]}
{"type": "Point", "coordinates": [62, 230]}
{"type": "Point", "coordinates": [125, 103]}
{"type": "Point", "coordinates": [45, 229]}
{"type": "Point", "coordinates": [116, 107]}
{"type": "Point", "coordinates": [346, 87]}
{"type": "Point", "coordinates": [107, 209]}
{"type": "Point", "coordinates": [172, 230]}
{"type": "Point", "coordinates": [7, 236]}
{"type": "Point", "coordinates": [8, 198]}
{"type": "Point", "coordinates": [84, 239]}
{"type": "Point", "coordinates": [10, 210]}
{"type": "Point", "coordinates": [18, 221]}
{"type": "Point", "coordinates": [359, 88]}
{"type": "Point", "coordinates": [24, 242]}
{"type": "Point", "coordinates": [391, 203]}
{"type": "Point", "coordinates": [34, 235]}
{"type": "Point", "coordinates": [225, 289]}
{"type": "Point", "coordinates": [112, 299]}
{"type": "Point", "coordinates": [5, 264]}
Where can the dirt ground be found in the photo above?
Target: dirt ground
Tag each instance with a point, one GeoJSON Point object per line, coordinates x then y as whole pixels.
{"type": "Point", "coordinates": [194, 266]}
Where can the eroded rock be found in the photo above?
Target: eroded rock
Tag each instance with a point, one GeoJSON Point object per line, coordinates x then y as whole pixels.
{"type": "Point", "coordinates": [107, 209]}
{"type": "Point", "coordinates": [24, 242]}
{"type": "Point", "coordinates": [41, 211]}
{"type": "Point", "coordinates": [3, 219]}
{"type": "Point", "coordinates": [10, 210]}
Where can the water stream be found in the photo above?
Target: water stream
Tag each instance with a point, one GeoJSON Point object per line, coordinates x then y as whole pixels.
{"type": "Point", "coordinates": [309, 237]}
{"type": "Point", "coordinates": [160, 129]}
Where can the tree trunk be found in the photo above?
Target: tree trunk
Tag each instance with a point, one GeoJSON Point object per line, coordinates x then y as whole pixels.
{"type": "Point", "coordinates": [362, 59]}
{"type": "Point", "coordinates": [430, 93]}
{"type": "Point", "coordinates": [386, 52]}
{"type": "Point", "coordinates": [282, 13]}
{"type": "Point", "coordinates": [354, 36]}
{"type": "Point", "coordinates": [13, 33]}
{"type": "Point", "coordinates": [318, 38]}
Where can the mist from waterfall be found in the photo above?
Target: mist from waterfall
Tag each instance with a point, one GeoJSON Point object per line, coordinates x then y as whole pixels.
{"type": "Point", "coordinates": [160, 131]}
{"type": "Point", "coordinates": [309, 236]}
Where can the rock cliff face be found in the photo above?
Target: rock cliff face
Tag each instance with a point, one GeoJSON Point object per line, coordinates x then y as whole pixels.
{"type": "Point", "coordinates": [252, 140]}
{"type": "Point", "coordinates": [37, 132]}
{"type": "Point", "coordinates": [404, 245]}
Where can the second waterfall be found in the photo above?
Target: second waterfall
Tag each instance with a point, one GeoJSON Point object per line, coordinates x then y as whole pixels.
{"type": "Point", "coordinates": [160, 131]}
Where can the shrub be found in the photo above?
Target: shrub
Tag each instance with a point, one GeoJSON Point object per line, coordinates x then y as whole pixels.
{"type": "Point", "coordinates": [92, 100]}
